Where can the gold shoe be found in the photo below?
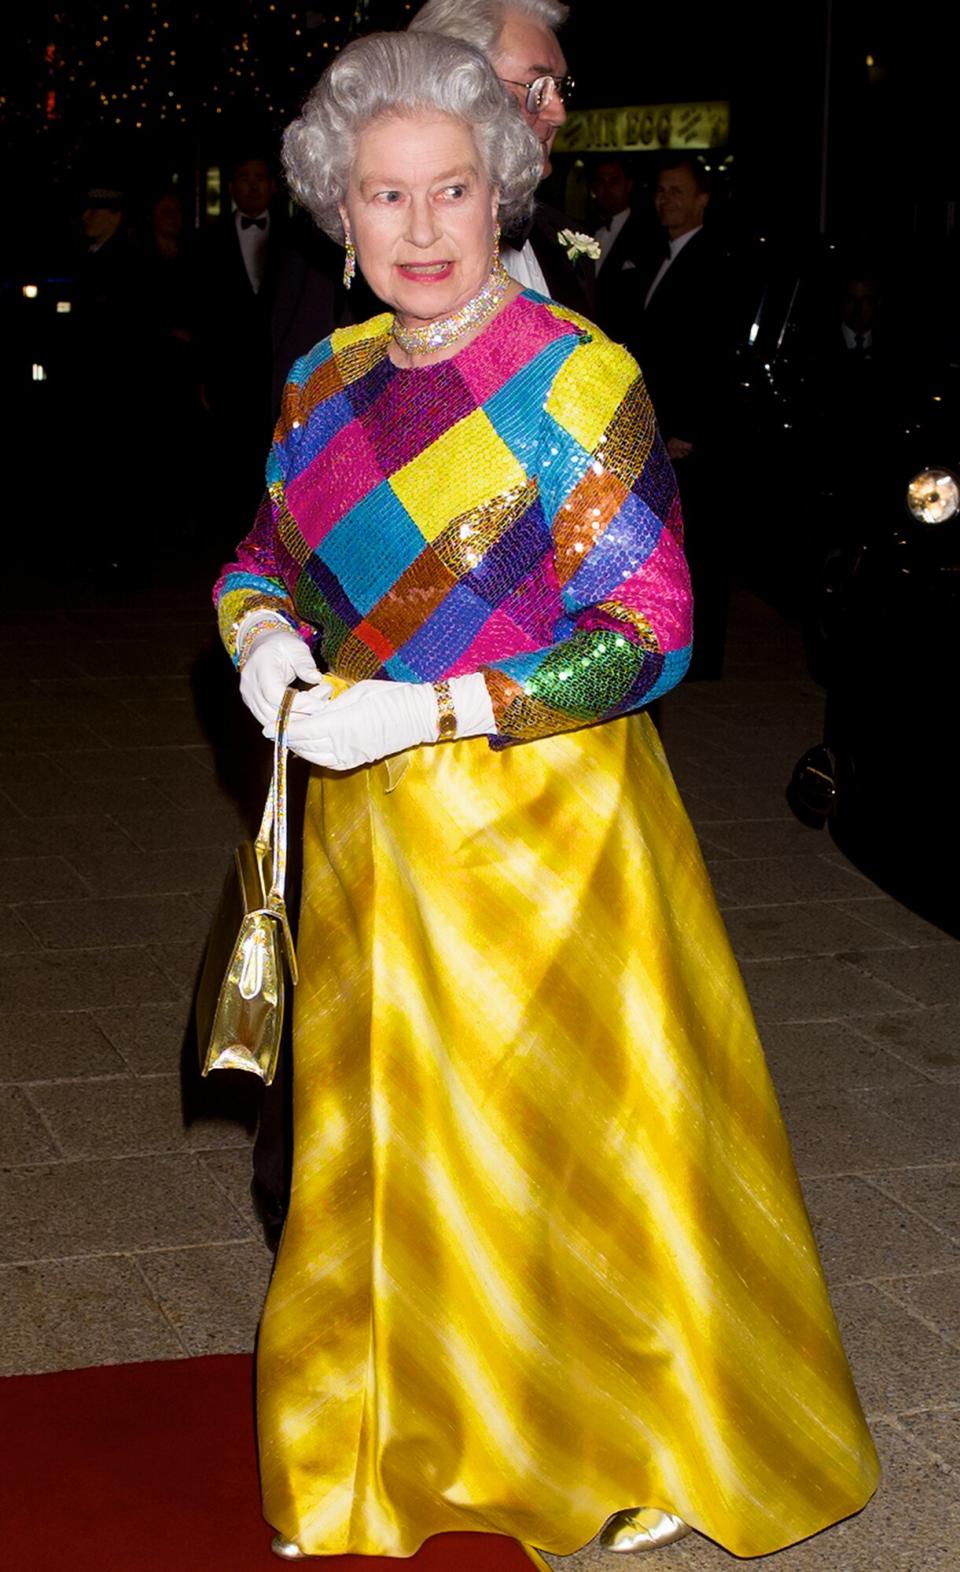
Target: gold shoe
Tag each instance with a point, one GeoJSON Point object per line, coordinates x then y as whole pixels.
{"type": "Point", "coordinates": [286, 1549]}
{"type": "Point", "coordinates": [642, 1528]}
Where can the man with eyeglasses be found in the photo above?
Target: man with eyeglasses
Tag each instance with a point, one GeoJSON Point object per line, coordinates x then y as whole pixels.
{"type": "Point", "coordinates": [519, 38]}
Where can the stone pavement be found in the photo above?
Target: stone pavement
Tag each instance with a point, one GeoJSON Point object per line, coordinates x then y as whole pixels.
{"type": "Point", "coordinates": [128, 770]}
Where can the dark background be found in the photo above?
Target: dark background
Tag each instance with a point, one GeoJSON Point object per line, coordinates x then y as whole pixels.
{"type": "Point", "coordinates": [134, 93]}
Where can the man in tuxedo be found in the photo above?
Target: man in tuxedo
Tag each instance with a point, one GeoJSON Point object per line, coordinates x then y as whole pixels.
{"type": "Point", "coordinates": [622, 239]}
{"type": "Point", "coordinates": [238, 263]}
{"type": "Point", "coordinates": [309, 299]}
{"type": "Point", "coordinates": [858, 316]}
{"type": "Point", "coordinates": [519, 38]}
{"type": "Point", "coordinates": [682, 344]}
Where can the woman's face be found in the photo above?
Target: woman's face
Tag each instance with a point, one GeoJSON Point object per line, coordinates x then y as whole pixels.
{"type": "Point", "coordinates": [421, 213]}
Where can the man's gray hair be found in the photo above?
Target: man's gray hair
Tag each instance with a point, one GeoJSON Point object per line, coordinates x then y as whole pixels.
{"type": "Point", "coordinates": [480, 22]}
{"type": "Point", "coordinates": [401, 73]}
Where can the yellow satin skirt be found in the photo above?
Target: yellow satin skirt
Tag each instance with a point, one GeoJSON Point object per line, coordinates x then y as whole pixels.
{"type": "Point", "coordinates": [546, 1255]}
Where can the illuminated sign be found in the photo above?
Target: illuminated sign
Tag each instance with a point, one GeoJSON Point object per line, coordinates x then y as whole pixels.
{"type": "Point", "coordinates": [644, 128]}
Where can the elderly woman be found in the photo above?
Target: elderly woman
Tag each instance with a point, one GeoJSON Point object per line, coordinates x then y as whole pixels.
{"type": "Point", "coordinates": [546, 1261]}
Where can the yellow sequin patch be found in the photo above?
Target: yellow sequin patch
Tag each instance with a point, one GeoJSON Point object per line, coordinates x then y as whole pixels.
{"type": "Point", "coordinates": [456, 473]}
{"type": "Point", "coordinates": [587, 389]}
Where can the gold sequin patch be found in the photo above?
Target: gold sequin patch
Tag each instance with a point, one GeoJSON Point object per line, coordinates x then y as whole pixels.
{"type": "Point", "coordinates": [465, 541]}
{"type": "Point", "coordinates": [527, 718]}
{"type": "Point", "coordinates": [357, 359]}
{"type": "Point", "coordinates": [503, 690]}
{"type": "Point", "coordinates": [286, 527]}
{"type": "Point", "coordinates": [322, 384]}
{"type": "Point", "coordinates": [517, 714]}
{"type": "Point", "coordinates": [626, 444]}
{"type": "Point", "coordinates": [584, 517]}
{"type": "Point", "coordinates": [645, 635]}
{"type": "Point", "coordinates": [357, 660]}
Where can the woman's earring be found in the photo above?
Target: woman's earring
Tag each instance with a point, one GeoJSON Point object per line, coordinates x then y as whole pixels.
{"type": "Point", "coordinates": [349, 264]}
{"type": "Point", "coordinates": [496, 241]}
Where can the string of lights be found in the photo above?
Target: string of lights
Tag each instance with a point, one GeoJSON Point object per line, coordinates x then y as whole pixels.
{"type": "Point", "coordinates": [163, 65]}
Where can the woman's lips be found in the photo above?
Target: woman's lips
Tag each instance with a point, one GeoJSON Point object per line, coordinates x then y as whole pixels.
{"type": "Point", "coordinates": [425, 272]}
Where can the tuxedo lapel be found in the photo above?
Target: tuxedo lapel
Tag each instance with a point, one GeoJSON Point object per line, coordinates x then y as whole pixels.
{"type": "Point", "coordinates": [626, 248]}
{"type": "Point", "coordinates": [239, 281]}
{"type": "Point", "coordinates": [678, 278]}
{"type": "Point", "coordinates": [571, 284]}
{"type": "Point", "coordinates": [277, 241]}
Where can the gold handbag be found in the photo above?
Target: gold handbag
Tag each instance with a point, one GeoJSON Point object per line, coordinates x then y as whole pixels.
{"type": "Point", "coordinates": [241, 994]}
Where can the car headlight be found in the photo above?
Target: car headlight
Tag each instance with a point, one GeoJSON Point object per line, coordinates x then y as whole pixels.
{"type": "Point", "coordinates": [933, 496]}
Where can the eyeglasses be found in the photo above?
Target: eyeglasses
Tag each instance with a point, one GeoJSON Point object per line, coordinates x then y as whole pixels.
{"type": "Point", "coordinates": [542, 92]}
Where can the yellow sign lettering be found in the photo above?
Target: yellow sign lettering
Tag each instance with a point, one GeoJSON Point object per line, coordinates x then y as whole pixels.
{"type": "Point", "coordinates": [642, 127]}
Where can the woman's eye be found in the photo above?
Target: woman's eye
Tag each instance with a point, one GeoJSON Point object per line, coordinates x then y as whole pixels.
{"type": "Point", "coordinates": [388, 196]}
{"type": "Point", "coordinates": [455, 192]}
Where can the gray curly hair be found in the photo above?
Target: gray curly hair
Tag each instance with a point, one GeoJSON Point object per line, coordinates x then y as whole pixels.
{"type": "Point", "coordinates": [480, 22]}
{"type": "Point", "coordinates": [397, 73]}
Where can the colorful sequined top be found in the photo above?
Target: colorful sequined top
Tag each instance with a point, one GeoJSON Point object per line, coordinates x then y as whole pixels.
{"type": "Point", "coordinates": [511, 511]}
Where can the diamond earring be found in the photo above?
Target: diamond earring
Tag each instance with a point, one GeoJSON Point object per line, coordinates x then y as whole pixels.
{"type": "Point", "coordinates": [349, 264]}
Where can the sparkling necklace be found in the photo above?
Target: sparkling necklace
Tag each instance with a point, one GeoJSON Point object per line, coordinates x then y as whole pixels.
{"type": "Point", "coordinates": [446, 330]}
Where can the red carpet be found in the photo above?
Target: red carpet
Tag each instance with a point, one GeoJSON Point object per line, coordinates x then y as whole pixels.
{"type": "Point", "coordinates": [152, 1468]}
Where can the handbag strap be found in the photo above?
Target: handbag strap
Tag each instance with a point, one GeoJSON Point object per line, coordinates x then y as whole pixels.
{"type": "Point", "coordinates": [273, 830]}
{"type": "Point", "coordinates": [272, 834]}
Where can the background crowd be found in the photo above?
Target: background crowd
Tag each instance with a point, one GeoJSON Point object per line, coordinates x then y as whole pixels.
{"type": "Point", "coordinates": [763, 355]}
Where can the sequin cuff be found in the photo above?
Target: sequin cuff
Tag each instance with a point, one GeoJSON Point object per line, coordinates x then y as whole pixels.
{"type": "Point", "coordinates": [235, 605]}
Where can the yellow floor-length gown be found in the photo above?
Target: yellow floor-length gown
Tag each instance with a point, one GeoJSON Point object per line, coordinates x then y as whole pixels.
{"type": "Point", "coordinates": [546, 1255]}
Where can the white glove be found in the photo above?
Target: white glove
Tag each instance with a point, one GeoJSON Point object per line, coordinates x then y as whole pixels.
{"type": "Point", "coordinates": [270, 665]}
{"type": "Point", "coordinates": [371, 720]}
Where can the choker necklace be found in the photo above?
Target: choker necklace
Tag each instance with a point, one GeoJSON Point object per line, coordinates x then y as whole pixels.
{"type": "Point", "coordinates": [446, 330]}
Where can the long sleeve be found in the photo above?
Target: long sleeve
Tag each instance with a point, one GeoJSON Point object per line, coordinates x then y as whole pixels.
{"type": "Point", "coordinates": [255, 580]}
{"type": "Point", "coordinates": [610, 496]}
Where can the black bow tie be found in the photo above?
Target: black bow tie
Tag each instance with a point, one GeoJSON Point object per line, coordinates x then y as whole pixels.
{"type": "Point", "coordinates": [253, 223]}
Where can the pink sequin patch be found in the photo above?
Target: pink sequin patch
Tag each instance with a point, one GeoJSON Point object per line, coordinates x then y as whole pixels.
{"type": "Point", "coordinates": [674, 519]}
{"type": "Point", "coordinates": [499, 638]}
{"type": "Point", "coordinates": [340, 476]}
{"type": "Point", "coordinates": [537, 604]}
{"type": "Point", "coordinates": [493, 358]}
{"type": "Point", "coordinates": [663, 586]}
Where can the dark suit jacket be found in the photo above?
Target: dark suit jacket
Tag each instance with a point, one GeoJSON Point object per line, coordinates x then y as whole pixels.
{"type": "Point", "coordinates": [309, 301]}
{"type": "Point", "coordinates": [683, 343]}
{"type": "Point", "coordinates": [619, 297]}
{"type": "Point", "coordinates": [571, 284]}
{"type": "Point", "coordinates": [233, 325]}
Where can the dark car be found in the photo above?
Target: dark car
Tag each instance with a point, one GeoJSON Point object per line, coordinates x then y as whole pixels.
{"type": "Point", "coordinates": [886, 622]}
{"type": "Point", "coordinates": [850, 523]}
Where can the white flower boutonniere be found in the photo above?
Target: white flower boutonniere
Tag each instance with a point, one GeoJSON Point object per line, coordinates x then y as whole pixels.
{"type": "Point", "coordinates": [577, 245]}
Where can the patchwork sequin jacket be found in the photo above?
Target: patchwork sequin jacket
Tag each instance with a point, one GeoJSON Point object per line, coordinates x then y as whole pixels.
{"type": "Point", "coordinates": [510, 511]}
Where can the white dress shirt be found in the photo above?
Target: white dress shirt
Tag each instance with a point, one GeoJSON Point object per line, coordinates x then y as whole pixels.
{"type": "Point", "coordinates": [607, 234]}
{"type": "Point", "coordinates": [676, 246]}
{"type": "Point", "coordinates": [523, 266]}
{"type": "Point", "coordinates": [850, 339]}
{"type": "Point", "coordinates": [253, 248]}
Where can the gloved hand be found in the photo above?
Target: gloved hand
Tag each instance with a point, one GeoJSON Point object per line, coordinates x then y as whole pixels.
{"type": "Point", "coordinates": [371, 720]}
{"type": "Point", "coordinates": [271, 664]}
